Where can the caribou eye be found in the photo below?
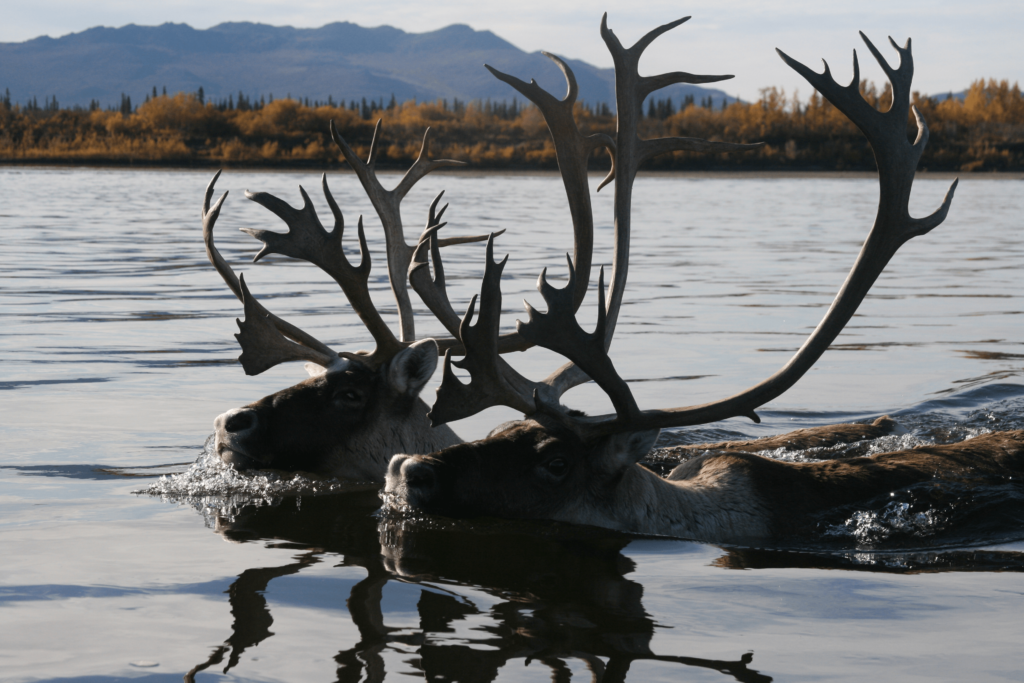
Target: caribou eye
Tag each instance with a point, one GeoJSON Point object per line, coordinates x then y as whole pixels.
{"type": "Point", "coordinates": [348, 396]}
{"type": "Point", "coordinates": [557, 466]}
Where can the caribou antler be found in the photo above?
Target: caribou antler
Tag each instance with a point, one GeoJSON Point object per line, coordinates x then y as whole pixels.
{"type": "Point", "coordinates": [573, 151]}
{"type": "Point", "coordinates": [309, 241]}
{"type": "Point", "coordinates": [433, 291]}
{"type": "Point", "coordinates": [897, 160]}
{"type": "Point", "coordinates": [262, 340]}
{"type": "Point", "coordinates": [493, 382]}
{"type": "Point", "coordinates": [630, 91]}
{"type": "Point", "coordinates": [387, 204]}
{"type": "Point", "coordinates": [263, 336]}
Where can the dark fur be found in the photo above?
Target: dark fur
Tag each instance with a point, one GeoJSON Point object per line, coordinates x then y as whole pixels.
{"type": "Point", "coordinates": [298, 428]}
{"type": "Point", "coordinates": [795, 490]}
{"type": "Point", "coordinates": [509, 474]}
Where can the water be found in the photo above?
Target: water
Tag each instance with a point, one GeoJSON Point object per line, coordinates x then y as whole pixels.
{"type": "Point", "coordinates": [116, 352]}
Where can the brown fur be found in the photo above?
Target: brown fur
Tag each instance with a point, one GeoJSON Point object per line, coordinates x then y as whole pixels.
{"type": "Point", "coordinates": [801, 439]}
{"type": "Point", "coordinates": [793, 490]}
{"type": "Point", "coordinates": [527, 471]}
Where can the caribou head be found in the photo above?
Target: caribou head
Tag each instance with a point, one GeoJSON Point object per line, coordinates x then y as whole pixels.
{"type": "Point", "coordinates": [341, 422]}
{"type": "Point", "coordinates": [562, 465]}
{"type": "Point", "coordinates": [356, 409]}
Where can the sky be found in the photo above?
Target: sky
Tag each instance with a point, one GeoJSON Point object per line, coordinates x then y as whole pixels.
{"type": "Point", "coordinates": [954, 43]}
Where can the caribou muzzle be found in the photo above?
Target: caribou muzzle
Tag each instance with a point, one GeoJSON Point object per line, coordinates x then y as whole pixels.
{"type": "Point", "coordinates": [233, 430]}
{"type": "Point", "coordinates": [410, 481]}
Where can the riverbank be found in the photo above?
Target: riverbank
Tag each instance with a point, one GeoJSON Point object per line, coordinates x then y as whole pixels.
{"type": "Point", "coordinates": [471, 170]}
{"type": "Point", "coordinates": [984, 132]}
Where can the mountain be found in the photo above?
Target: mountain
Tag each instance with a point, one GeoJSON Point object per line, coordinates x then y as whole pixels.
{"type": "Point", "coordinates": [341, 60]}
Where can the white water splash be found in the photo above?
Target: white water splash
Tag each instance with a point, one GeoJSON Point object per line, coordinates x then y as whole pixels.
{"type": "Point", "coordinates": [218, 490]}
{"type": "Point", "coordinates": [868, 527]}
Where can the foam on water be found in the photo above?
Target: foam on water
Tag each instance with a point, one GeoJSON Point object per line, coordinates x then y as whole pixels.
{"type": "Point", "coordinates": [869, 527]}
{"type": "Point", "coordinates": [218, 490]}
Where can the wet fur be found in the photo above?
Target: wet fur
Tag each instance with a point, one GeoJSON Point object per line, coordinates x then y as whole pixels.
{"type": "Point", "coordinates": [344, 423]}
{"type": "Point", "coordinates": [725, 495]}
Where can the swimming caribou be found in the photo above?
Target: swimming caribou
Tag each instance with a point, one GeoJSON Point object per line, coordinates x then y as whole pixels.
{"type": "Point", "coordinates": [559, 464]}
{"type": "Point", "coordinates": [359, 409]}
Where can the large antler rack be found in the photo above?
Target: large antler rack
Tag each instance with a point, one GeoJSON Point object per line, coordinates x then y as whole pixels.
{"type": "Point", "coordinates": [573, 151]}
{"type": "Point", "coordinates": [387, 204]}
{"type": "Point", "coordinates": [494, 382]}
{"type": "Point", "coordinates": [897, 160]}
{"type": "Point", "coordinates": [267, 340]}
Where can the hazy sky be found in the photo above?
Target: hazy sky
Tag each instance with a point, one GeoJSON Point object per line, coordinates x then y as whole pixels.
{"type": "Point", "coordinates": [954, 42]}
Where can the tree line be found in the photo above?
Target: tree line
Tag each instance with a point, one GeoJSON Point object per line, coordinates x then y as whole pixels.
{"type": "Point", "coordinates": [982, 131]}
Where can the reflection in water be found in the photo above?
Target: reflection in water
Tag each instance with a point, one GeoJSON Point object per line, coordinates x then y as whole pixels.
{"type": "Point", "coordinates": [252, 618]}
{"type": "Point", "coordinates": [562, 593]}
{"type": "Point", "coordinates": [909, 562]}
{"type": "Point", "coordinates": [563, 596]}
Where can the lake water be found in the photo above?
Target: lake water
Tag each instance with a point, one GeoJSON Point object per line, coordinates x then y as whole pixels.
{"type": "Point", "coordinates": [116, 353]}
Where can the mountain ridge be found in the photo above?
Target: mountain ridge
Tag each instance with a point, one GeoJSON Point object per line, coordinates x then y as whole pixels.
{"type": "Point", "coordinates": [341, 60]}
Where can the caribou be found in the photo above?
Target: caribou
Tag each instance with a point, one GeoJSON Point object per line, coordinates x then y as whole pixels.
{"type": "Point", "coordinates": [559, 464]}
{"type": "Point", "coordinates": [359, 408]}
{"type": "Point", "coordinates": [355, 407]}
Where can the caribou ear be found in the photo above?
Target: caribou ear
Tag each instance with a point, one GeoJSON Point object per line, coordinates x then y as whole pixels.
{"type": "Point", "coordinates": [619, 451]}
{"type": "Point", "coordinates": [314, 370]}
{"type": "Point", "coordinates": [412, 367]}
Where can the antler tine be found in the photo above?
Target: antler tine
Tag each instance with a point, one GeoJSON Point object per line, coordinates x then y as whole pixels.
{"type": "Point", "coordinates": [263, 334]}
{"type": "Point", "coordinates": [387, 204]}
{"type": "Point", "coordinates": [559, 331]}
{"type": "Point", "coordinates": [572, 152]}
{"type": "Point", "coordinates": [493, 381]}
{"type": "Point", "coordinates": [339, 219]}
{"type": "Point", "coordinates": [371, 158]}
{"type": "Point", "coordinates": [434, 293]}
{"type": "Point", "coordinates": [209, 220]}
{"type": "Point", "coordinates": [897, 161]}
{"type": "Point", "coordinates": [434, 223]}
{"type": "Point", "coordinates": [307, 240]}
{"type": "Point", "coordinates": [432, 289]}
{"type": "Point", "coordinates": [631, 151]}
{"type": "Point", "coordinates": [658, 146]}
{"type": "Point", "coordinates": [263, 345]}
{"type": "Point", "coordinates": [421, 167]}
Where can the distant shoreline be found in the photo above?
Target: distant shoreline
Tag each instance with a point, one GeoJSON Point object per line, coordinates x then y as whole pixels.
{"type": "Point", "coordinates": [320, 167]}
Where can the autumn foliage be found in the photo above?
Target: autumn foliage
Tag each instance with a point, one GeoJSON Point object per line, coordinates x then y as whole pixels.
{"type": "Point", "coordinates": [984, 131]}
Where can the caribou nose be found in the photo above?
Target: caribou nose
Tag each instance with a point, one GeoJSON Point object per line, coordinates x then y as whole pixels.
{"type": "Point", "coordinates": [419, 475]}
{"type": "Point", "coordinates": [394, 473]}
{"type": "Point", "coordinates": [238, 421]}
{"type": "Point", "coordinates": [410, 479]}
